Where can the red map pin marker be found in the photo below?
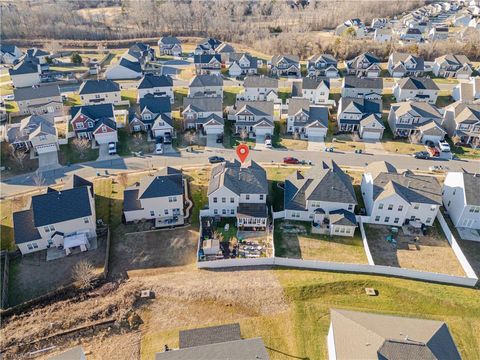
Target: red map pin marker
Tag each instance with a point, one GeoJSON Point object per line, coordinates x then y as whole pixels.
{"type": "Point", "coordinates": [242, 152]}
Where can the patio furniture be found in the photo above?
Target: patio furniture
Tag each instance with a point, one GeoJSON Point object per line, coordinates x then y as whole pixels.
{"type": "Point", "coordinates": [371, 291]}
{"type": "Point", "coordinates": [394, 230]}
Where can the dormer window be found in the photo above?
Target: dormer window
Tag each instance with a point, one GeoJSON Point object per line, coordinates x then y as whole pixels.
{"type": "Point", "coordinates": [79, 125]}
{"type": "Point", "coordinates": [147, 116]}
{"type": "Point", "coordinates": [89, 124]}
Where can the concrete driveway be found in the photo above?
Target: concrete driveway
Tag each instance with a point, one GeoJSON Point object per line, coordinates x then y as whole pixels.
{"type": "Point", "coordinates": [212, 142]}
{"type": "Point", "coordinates": [260, 142]}
{"type": "Point", "coordinates": [48, 161]}
{"type": "Point", "coordinates": [316, 143]}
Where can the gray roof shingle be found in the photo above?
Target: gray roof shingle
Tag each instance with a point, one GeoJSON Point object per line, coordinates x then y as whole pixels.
{"type": "Point", "coordinates": [260, 81]}
{"type": "Point", "coordinates": [350, 82]}
{"type": "Point", "coordinates": [150, 81]}
{"type": "Point", "coordinates": [37, 92]}
{"type": "Point", "coordinates": [209, 335]}
{"type": "Point", "coordinates": [23, 228]}
{"type": "Point", "coordinates": [417, 83]}
{"type": "Point", "coordinates": [472, 188]}
{"type": "Point", "coordinates": [98, 86]}
{"type": "Point", "coordinates": [206, 80]}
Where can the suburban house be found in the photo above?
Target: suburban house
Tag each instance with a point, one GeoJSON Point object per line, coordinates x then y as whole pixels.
{"type": "Point", "coordinates": [25, 74]}
{"type": "Point", "coordinates": [9, 54]}
{"type": "Point", "coordinates": [225, 51]}
{"type": "Point", "coordinates": [462, 120]}
{"type": "Point", "coordinates": [322, 65]}
{"type": "Point", "coordinates": [361, 335]}
{"type": "Point", "coordinates": [355, 87]}
{"type": "Point", "coordinates": [418, 121]}
{"type": "Point", "coordinates": [63, 219]}
{"type": "Point", "coordinates": [33, 133]}
{"type": "Point", "coordinates": [364, 65]}
{"type": "Point", "coordinates": [371, 127]}
{"type": "Point", "coordinates": [467, 91]}
{"type": "Point", "coordinates": [242, 64]}
{"type": "Point", "coordinates": [157, 198]}
{"type": "Point", "coordinates": [461, 20]}
{"type": "Point", "coordinates": [259, 88]}
{"type": "Point", "coordinates": [39, 100]}
{"type": "Point", "coordinates": [124, 69]}
{"type": "Point", "coordinates": [155, 85]}
{"type": "Point", "coordinates": [394, 198]}
{"type": "Point", "coordinates": [207, 64]}
{"type": "Point", "coordinates": [94, 122]}
{"type": "Point", "coordinates": [37, 56]}
{"type": "Point", "coordinates": [412, 34]}
{"type": "Point", "coordinates": [416, 89]}
{"type": "Point", "coordinates": [307, 120]}
{"type": "Point", "coordinates": [457, 66]}
{"type": "Point", "coordinates": [141, 53]}
{"type": "Point", "coordinates": [323, 195]}
{"type": "Point", "coordinates": [285, 65]}
{"type": "Point", "coordinates": [315, 89]}
{"type": "Point", "coordinates": [206, 85]}
{"type": "Point", "coordinates": [155, 115]}
{"type": "Point", "coordinates": [383, 35]}
{"type": "Point", "coordinates": [438, 33]}
{"type": "Point", "coordinates": [207, 46]}
{"type": "Point", "coordinates": [256, 117]}
{"type": "Point", "coordinates": [404, 64]}
{"type": "Point", "coordinates": [204, 114]}
{"type": "Point", "coordinates": [170, 45]}
{"type": "Point", "coordinates": [216, 342]}
{"type": "Point", "coordinates": [99, 92]}
{"type": "Point", "coordinates": [239, 191]}
{"type": "Point", "coordinates": [461, 198]}
{"type": "Point", "coordinates": [351, 111]}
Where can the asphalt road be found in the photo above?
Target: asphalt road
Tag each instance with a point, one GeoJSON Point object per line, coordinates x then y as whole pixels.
{"type": "Point", "coordinates": [25, 183]}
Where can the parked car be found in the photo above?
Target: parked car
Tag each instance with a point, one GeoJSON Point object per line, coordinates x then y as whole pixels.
{"type": "Point", "coordinates": [159, 148]}
{"type": "Point", "coordinates": [421, 155]}
{"type": "Point", "coordinates": [290, 160]}
{"type": "Point", "coordinates": [112, 148]}
{"type": "Point", "coordinates": [444, 146]}
{"type": "Point", "coordinates": [9, 97]}
{"type": "Point", "coordinates": [215, 159]}
{"type": "Point", "coordinates": [167, 138]}
{"type": "Point", "coordinates": [438, 168]}
{"type": "Point", "coordinates": [219, 139]}
{"type": "Point", "coordinates": [159, 140]}
{"type": "Point", "coordinates": [268, 141]}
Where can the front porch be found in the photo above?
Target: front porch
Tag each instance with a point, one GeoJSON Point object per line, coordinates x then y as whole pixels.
{"type": "Point", "coordinates": [252, 217]}
{"type": "Point", "coordinates": [169, 221]}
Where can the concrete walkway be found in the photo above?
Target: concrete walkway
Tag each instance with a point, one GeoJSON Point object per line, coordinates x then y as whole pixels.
{"type": "Point", "coordinates": [316, 143]}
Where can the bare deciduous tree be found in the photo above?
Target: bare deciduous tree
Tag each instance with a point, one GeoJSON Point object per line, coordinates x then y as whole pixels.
{"type": "Point", "coordinates": [83, 274]}
{"type": "Point", "coordinates": [243, 134]}
{"type": "Point", "coordinates": [217, 235]}
{"type": "Point", "coordinates": [38, 179]}
{"type": "Point", "coordinates": [18, 156]}
{"type": "Point", "coordinates": [295, 135]}
{"type": "Point", "coordinates": [81, 146]}
{"type": "Point", "coordinates": [190, 137]}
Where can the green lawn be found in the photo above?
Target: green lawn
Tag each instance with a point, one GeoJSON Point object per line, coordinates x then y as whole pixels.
{"type": "Point", "coordinates": [232, 229]}
{"type": "Point", "coordinates": [130, 95]}
{"type": "Point", "coordinates": [230, 94]}
{"type": "Point", "coordinates": [128, 143]}
{"type": "Point", "coordinates": [69, 155]}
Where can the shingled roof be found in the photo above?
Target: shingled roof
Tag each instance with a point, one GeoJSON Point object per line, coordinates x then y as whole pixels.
{"type": "Point", "coordinates": [206, 80]}
{"type": "Point", "coordinates": [209, 335]}
{"type": "Point", "coordinates": [98, 86]}
{"type": "Point", "coordinates": [150, 81]}
{"type": "Point", "coordinates": [239, 179]}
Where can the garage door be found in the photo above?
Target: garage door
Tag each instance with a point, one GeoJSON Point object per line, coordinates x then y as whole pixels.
{"type": "Point", "coordinates": [213, 130]}
{"type": "Point", "coordinates": [43, 149]}
{"type": "Point", "coordinates": [371, 135]}
{"type": "Point", "coordinates": [263, 131]}
{"type": "Point", "coordinates": [316, 133]}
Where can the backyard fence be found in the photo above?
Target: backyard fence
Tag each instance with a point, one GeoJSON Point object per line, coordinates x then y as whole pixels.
{"type": "Point", "coordinates": [361, 220]}
{"type": "Point", "coordinates": [278, 214]}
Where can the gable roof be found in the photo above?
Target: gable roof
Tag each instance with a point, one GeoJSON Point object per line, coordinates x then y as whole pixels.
{"type": "Point", "coordinates": [239, 179]}
{"type": "Point", "coordinates": [23, 228]}
{"type": "Point", "coordinates": [36, 52]}
{"type": "Point", "coordinates": [93, 111]}
{"type": "Point", "coordinates": [24, 67]}
{"type": "Point", "coordinates": [417, 83]}
{"type": "Point", "coordinates": [209, 335]}
{"type": "Point", "coordinates": [236, 57]}
{"type": "Point", "coordinates": [458, 60]}
{"type": "Point", "coordinates": [150, 81]}
{"type": "Point", "coordinates": [471, 183]}
{"type": "Point", "coordinates": [203, 104]}
{"type": "Point", "coordinates": [260, 81]}
{"type": "Point", "coordinates": [206, 80]}
{"type": "Point", "coordinates": [169, 40]}
{"type": "Point", "coordinates": [258, 108]}
{"type": "Point", "coordinates": [327, 58]}
{"type": "Point", "coordinates": [131, 65]}
{"type": "Point", "coordinates": [290, 59]}
{"type": "Point", "coordinates": [156, 104]}
{"type": "Point", "coordinates": [206, 58]}
{"type": "Point", "coordinates": [297, 104]}
{"type": "Point", "coordinates": [369, 57]}
{"type": "Point", "coordinates": [398, 57]}
{"type": "Point", "coordinates": [423, 109]}
{"type": "Point", "coordinates": [351, 82]}
{"type": "Point", "coordinates": [320, 183]}
{"type": "Point", "coordinates": [98, 86]}
{"type": "Point", "coordinates": [373, 336]}
{"type": "Point", "coordinates": [36, 92]}
{"type": "Point", "coordinates": [167, 182]}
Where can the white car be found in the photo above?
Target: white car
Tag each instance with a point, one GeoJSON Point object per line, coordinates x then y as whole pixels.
{"type": "Point", "coordinates": [443, 146]}
{"type": "Point", "coordinates": [112, 148]}
{"type": "Point", "coordinates": [268, 142]}
{"type": "Point", "coordinates": [9, 97]}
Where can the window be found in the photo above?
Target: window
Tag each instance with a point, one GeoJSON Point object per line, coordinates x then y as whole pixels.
{"type": "Point", "coordinates": [247, 197]}
{"type": "Point", "coordinates": [166, 211]}
{"type": "Point", "coordinates": [380, 206]}
{"type": "Point", "coordinates": [396, 220]}
{"type": "Point", "coordinates": [387, 219]}
{"type": "Point", "coordinates": [449, 202]}
{"type": "Point", "coordinates": [232, 211]}
{"type": "Point", "coordinates": [90, 124]}
{"type": "Point", "coordinates": [429, 220]}
{"type": "Point", "coordinates": [224, 200]}
{"type": "Point", "coordinates": [79, 125]}
{"type": "Point", "coordinates": [377, 218]}
{"type": "Point", "coordinates": [215, 211]}
{"type": "Point", "coordinates": [416, 206]}
{"type": "Point", "coordinates": [224, 211]}
{"type": "Point", "coordinates": [214, 199]}
{"type": "Point", "coordinates": [104, 129]}
{"type": "Point", "coordinates": [400, 207]}
{"type": "Point", "coordinates": [32, 246]}
{"type": "Point", "coordinates": [172, 199]}
{"type": "Point", "coordinates": [85, 220]}
{"type": "Point", "coordinates": [337, 229]}
{"type": "Point", "coordinates": [46, 228]}
{"type": "Point", "coordinates": [52, 228]}
{"type": "Point", "coordinates": [152, 213]}
{"type": "Point", "coordinates": [232, 200]}
{"type": "Point", "coordinates": [390, 207]}
{"type": "Point", "coordinates": [350, 207]}
{"type": "Point", "coordinates": [342, 230]}
{"type": "Point", "coordinates": [261, 196]}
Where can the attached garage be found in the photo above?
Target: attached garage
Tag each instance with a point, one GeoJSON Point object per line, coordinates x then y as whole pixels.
{"type": "Point", "coordinates": [315, 132]}
{"type": "Point", "coordinates": [371, 128]}
{"type": "Point", "coordinates": [263, 127]}
{"type": "Point", "coordinates": [431, 132]}
{"type": "Point", "coordinates": [47, 148]}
